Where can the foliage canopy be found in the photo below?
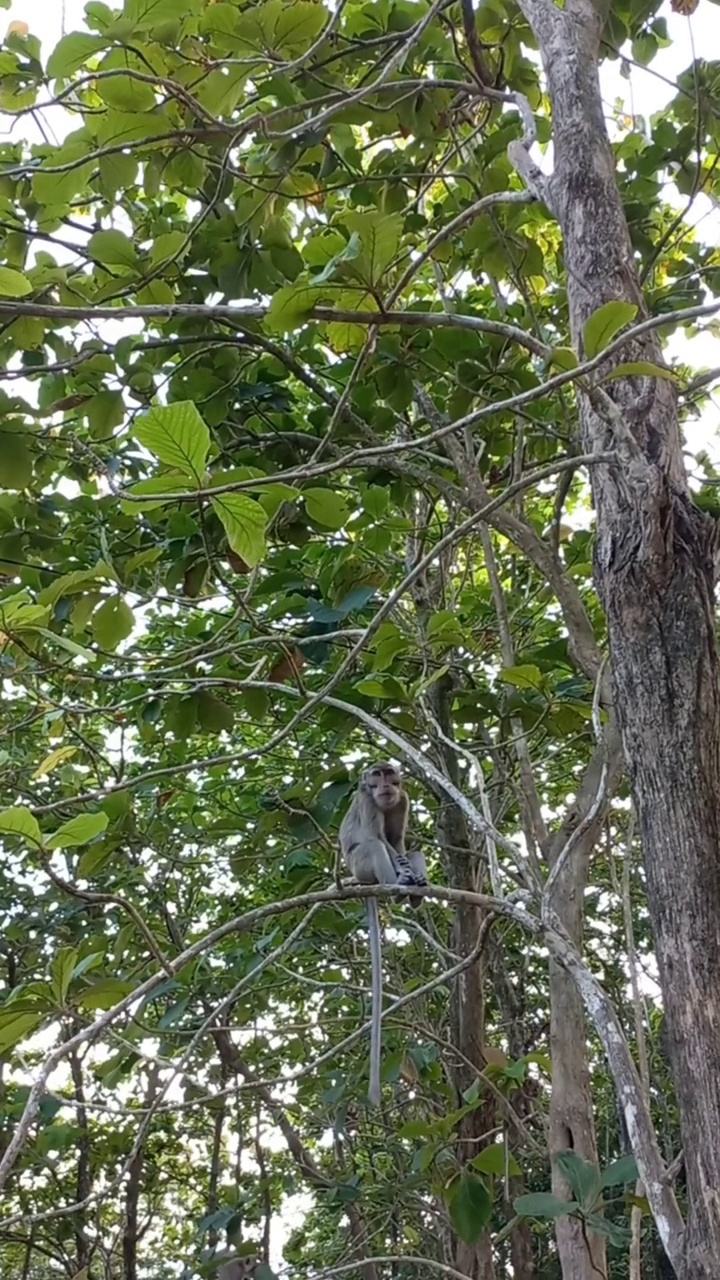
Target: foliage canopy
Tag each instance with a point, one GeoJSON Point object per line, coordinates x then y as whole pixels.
{"type": "Point", "coordinates": [288, 462]}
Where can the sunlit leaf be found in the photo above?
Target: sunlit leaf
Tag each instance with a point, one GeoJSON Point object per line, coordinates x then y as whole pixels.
{"type": "Point", "coordinates": [112, 622]}
{"type": "Point", "coordinates": [105, 993]}
{"type": "Point", "coordinates": [641, 369]}
{"type": "Point", "coordinates": [177, 435]}
{"type": "Point", "coordinates": [245, 522]}
{"type": "Point", "coordinates": [18, 1021]}
{"type": "Point", "coordinates": [78, 831]}
{"type": "Point", "coordinates": [55, 758]}
{"type": "Point", "coordinates": [604, 324]}
{"type": "Point", "coordinates": [13, 284]}
{"type": "Point", "coordinates": [61, 971]}
{"type": "Point", "coordinates": [328, 508]}
{"type": "Point", "coordinates": [19, 821]}
{"type": "Point", "coordinates": [72, 52]}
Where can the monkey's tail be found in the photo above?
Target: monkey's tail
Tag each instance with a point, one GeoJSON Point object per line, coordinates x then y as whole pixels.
{"type": "Point", "coordinates": [373, 918]}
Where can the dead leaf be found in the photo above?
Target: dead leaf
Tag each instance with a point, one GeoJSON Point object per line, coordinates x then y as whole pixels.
{"type": "Point", "coordinates": [291, 663]}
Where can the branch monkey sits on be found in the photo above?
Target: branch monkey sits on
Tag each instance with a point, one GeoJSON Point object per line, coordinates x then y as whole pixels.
{"type": "Point", "coordinates": [372, 843]}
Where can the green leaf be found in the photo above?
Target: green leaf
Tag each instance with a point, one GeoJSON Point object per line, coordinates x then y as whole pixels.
{"type": "Point", "coordinates": [542, 1204]}
{"type": "Point", "coordinates": [61, 971]}
{"type": "Point", "coordinates": [53, 189]}
{"type": "Point", "coordinates": [105, 993]}
{"type": "Point", "coordinates": [72, 52]}
{"type": "Point", "coordinates": [620, 1171]}
{"type": "Point", "coordinates": [93, 858]}
{"type": "Point", "coordinates": [583, 1177]}
{"type": "Point", "coordinates": [523, 677]}
{"type": "Point", "coordinates": [126, 93]}
{"type": "Point", "coordinates": [145, 14]}
{"type": "Point", "coordinates": [78, 831]}
{"type": "Point", "coordinates": [470, 1206]}
{"type": "Point", "coordinates": [177, 435]}
{"type": "Point", "coordinates": [64, 642]}
{"type": "Point", "coordinates": [298, 24]}
{"type": "Point", "coordinates": [168, 482]}
{"type": "Point", "coordinates": [641, 369]}
{"type": "Point", "coordinates": [113, 249]}
{"type": "Point", "coordinates": [414, 1129]}
{"type": "Point", "coordinates": [13, 284]}
{"type": "Point", "coordinates": [245, 522]}
{"type": "Point", "coordinates": [17, 1021]}
{"type": "Point", "coordinates": [347, 253]}
{"type": "Point", "coordinates": [564, 358]}
{"type": "Point", "coordinates": [16, 467]}
{"type": "Point", "coordinates": [70, 583]}
{"type": "Point", "coordinates": [380, 235]}
{"type": "Point", "coordinates": [104, 411]}
{"type": "Point", "coordinates": [21, 616]}
{"type": "Point", "coordinates": [117, 172]}
{"type": "Point", "coordinates": [328, 508]}
{"type": "Point", "coordinates": [603, 324]}
{"type": "Point", "coordinates": [494, 1159]}
{"type": "Point", "coordinates": [112, 622]}
{"type": "Point", "coordinates": [213, 715]}
{"type": "Point", "coordinates": [618, 1234]}
{"type": "Point", "coordinates": [167, 245]}
{"type": "Point", "coordinates": [19, 821]}
{"type": "Point", "coordinates": [256, 702]}
{"type": "Point", "coordinates": [291, 306]}
{"type": "Point", "coordinates": [376, 688]}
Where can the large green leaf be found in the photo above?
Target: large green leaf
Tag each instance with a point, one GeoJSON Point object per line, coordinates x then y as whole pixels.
{"type": "Point", "coordinates": [470, 1206]}
{"type": "Point", "coordinates": [78, 831]}
{"type": "Point", "coordinates": [13, 284]}
{"type": "Point", "coordinates": [72, 52]}
{"type": "Point", "coordinates": [542, 1204]}
{"type": "Point", "coordinates": [19, 821]}
{"type": "Point", "coordinates": [18, 1021]}
{"type": "Point", "coordinates": [604, 324]}
{"type": "Point", "coordinates": [245, 522]}
{"type": "Point", "coordinates": [177, 435]}
{"type": "Point", "coordinates": [112, 622]}
{"type": "Point", "coordinates": [113, 249]}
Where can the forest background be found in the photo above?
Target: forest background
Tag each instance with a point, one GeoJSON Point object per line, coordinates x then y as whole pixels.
{"type": "Point", "coordinates": [300, 403]}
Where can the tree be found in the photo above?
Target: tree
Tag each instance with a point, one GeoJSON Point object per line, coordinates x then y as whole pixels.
{"type": "Point", "coordinates": [310, 376]}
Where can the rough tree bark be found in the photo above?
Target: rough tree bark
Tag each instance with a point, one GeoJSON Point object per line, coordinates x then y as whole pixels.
{"type": "Point", "coordinates": [654, 570]}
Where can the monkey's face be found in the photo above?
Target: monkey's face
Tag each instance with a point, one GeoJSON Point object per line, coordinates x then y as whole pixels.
{"type": "Point", "coordinates": [384, 784]}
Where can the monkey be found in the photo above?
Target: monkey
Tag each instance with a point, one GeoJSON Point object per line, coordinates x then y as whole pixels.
{"type": "Point", "coordinates": [372, 843]}
{"type": "Point", "coordinates": [237, 1269]}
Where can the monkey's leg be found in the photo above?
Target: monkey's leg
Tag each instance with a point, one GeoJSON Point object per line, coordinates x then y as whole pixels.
{"type": "Point", "coordinates": [371, 862]}
{"type": "Point", "coordinates": [411, 872]}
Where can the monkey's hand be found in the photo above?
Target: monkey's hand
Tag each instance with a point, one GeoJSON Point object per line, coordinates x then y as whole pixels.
{"type": "Point", "coordinates": [407, 876]}
{"type": "Point", "coordinates": [411, 879]}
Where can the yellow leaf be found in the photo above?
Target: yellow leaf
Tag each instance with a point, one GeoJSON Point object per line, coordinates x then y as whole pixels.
{"type": "Point", "coordinates": [53, 760]}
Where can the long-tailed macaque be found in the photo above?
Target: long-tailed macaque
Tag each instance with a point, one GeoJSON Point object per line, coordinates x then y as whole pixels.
{"type": "Point", "coordinates": [372, 842]}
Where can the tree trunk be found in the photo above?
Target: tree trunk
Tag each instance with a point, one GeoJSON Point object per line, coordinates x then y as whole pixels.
{"type": "Point", "coordinates": [467, 1006]}
{"type": "Point", "coordinates": [654, 572]}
